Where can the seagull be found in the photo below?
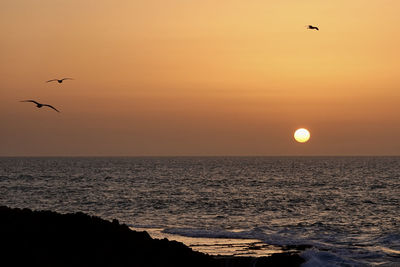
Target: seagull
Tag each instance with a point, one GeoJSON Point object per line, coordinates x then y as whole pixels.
{"type": "Point", "coordinates": [59, 81]}
{"type": "Point", "coordinates": [311, 27]}
{"type": "Point", "coordinates": [38, 105]}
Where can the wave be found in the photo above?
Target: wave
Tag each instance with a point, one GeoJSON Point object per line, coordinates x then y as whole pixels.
{"type": "Point", "coordinates": [279, 239]}
{"type": "Point", "coordinates": [318, 258]}
{"type": "Point", "coordinates": [189, 232]}
{"type": "Point", "coordinates": [321, 252]}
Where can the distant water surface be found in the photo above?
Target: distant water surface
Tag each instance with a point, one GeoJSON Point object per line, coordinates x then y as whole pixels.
{"type": "Point", "coordinates": [346, 208]}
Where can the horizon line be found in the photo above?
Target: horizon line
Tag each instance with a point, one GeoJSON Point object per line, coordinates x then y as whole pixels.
{"type": "Point", "coordinates": [188, 156]}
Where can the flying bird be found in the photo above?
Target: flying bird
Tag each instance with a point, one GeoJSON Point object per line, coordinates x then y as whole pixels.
{"type": "Point", "coordinates": [39, 105]}
{"type": "Point", "coordinates": [311, 27]}
{"type": "Point", "coordinates": [59, 81]}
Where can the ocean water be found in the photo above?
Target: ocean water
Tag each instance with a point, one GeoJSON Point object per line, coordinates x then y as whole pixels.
{"type": "Point", "coordinates": [346, 210]}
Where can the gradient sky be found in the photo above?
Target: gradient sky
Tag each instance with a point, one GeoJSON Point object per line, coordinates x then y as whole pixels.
{"type": "Point", "coordinates": [205, 77]}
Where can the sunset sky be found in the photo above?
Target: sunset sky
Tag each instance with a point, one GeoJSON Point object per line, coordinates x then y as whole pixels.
{"type": "Point", "coordinates": [180, 77]}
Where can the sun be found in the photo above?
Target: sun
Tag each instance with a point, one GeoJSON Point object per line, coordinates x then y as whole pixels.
{"type": "Point", "coordinates": [301, 135]}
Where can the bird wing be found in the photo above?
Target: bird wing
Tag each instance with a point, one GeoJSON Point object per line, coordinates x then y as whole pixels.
{"type": "Point", "coordinates": [50, 106]}
{"type": "Point", "coordinates": [33, 101]}
{"type": "Point", "coordinates": [66, 79]}
{"type": "Point", "coordinates": [51, 80]}
{"type": "Point", "coordinates": [317, 28]}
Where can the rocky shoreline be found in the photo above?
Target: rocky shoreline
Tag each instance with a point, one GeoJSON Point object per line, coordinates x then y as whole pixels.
{"type": "Point", "coordinates": [46, 238]}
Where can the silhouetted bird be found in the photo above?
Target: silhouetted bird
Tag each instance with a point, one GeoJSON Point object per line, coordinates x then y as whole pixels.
{"type": "Point", "coordinates": [311, 27]}
{"type": "Point", "coordinates": [38, 105]}
{"type": "Point", "coordinates": [59, 81]}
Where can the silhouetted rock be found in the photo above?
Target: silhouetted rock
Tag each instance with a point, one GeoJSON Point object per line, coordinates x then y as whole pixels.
{"type": "Point", "coordinates": [45, 238]}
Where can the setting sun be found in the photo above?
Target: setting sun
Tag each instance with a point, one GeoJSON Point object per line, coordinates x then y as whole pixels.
{"type": "Point", "coordinates": [301, 135]}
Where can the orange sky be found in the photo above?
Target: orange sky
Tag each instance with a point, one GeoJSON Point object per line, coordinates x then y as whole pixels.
{"type": "Point", "coordinates": [206, 77]}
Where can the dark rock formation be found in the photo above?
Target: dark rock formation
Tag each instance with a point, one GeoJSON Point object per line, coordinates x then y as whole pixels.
{"type": "Point", "coordinates": [44, 238]}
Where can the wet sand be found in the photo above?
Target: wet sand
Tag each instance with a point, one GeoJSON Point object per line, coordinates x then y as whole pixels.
{"type": "Point", "coordinates": [219, 246]}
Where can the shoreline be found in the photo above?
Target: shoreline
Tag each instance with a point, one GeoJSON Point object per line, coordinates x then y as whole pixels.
{"type": "Point", "coordinates": [46, 238]}
{"type": "Point", "coordinates": [224, 246]}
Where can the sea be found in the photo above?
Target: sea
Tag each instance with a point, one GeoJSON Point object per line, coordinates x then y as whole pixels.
{"type": "Point", "coordinates": [334, 211]}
